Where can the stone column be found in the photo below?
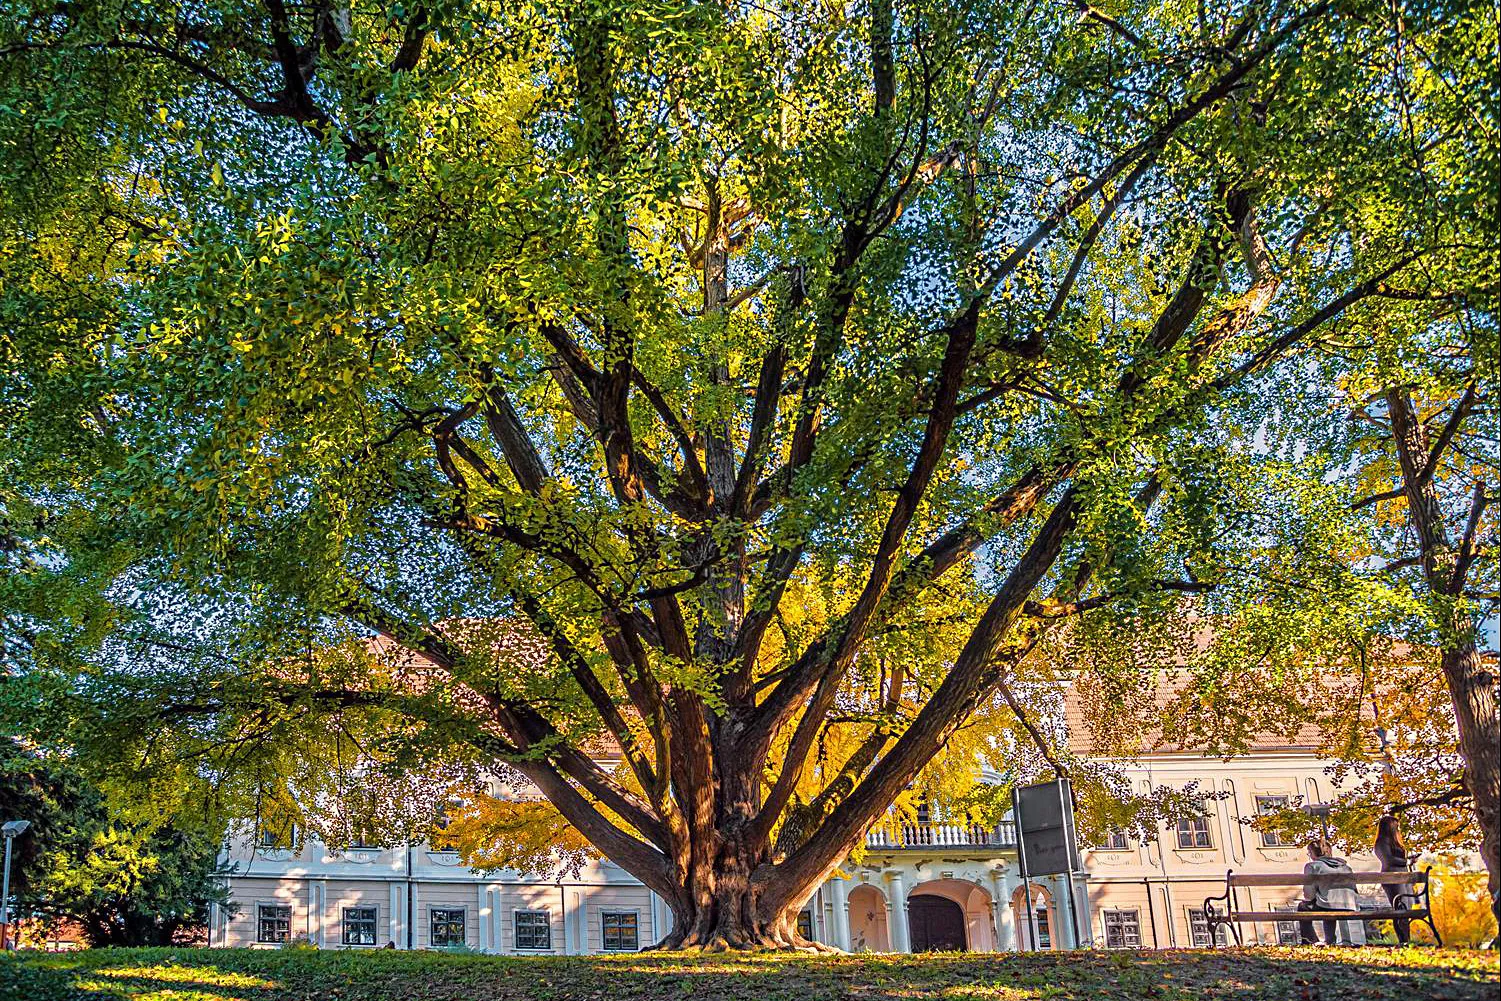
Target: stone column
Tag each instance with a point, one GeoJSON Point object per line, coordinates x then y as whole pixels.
{"type": "Point", "coordinates": [839, 916]}
{"type": "Point", "coordinates": [896, 909]}
{"type": "Point", "coordinates": [1063, 916]}
{"type": "Point", "coordinates": [1086, 911]}
{"type": "Point", "coordinates": [1000, 904]}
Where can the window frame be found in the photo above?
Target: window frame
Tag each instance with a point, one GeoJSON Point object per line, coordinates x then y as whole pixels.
{"type": "Point", "coordinates": [1109, 843]}
{"type": "Point", "coordinates": [260, 923]}
{"type": "Point", "coordinates": [270, 839]}
{"type": "Point", "coordinates": [448, 911]}
{"type": "Point", "coordinates": [1287, 931]}
{"type": "Point", "coordinates": [546, 927]}
{"type": "Point", "coordinates": [617, 913]}
{"type": "Point", "coordinates": [1121, 916]}
{"type": "Point", "coordinates": [1198, 930]}
{"type": "Point", "coordinates": [345, 922]}
{"type": "Point", "coordinates": [1272, 839]}
{"type": "Point", "coordinates": [805, 915]}
{"type": "Point", "coordinates": [1044, 926]}
{"type": "Point", "coordinates": [1184, 826]}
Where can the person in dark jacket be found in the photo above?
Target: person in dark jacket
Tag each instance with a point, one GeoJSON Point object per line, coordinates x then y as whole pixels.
{"type": "Point", "coordinates": [1392, 855]}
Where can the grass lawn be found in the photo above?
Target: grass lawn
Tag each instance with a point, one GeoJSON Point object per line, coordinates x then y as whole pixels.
{"type": "Point", "coordinates": [1180, 975]}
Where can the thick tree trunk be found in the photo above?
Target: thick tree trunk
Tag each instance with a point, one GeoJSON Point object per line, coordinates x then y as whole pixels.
{"type": "Point", "coordinates": [720, 910]}
{"type": "Point", "coordinates": [1472, 688]}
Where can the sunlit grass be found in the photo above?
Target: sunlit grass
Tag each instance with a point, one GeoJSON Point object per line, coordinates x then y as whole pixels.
{"type": "Point", "coordinates": [207, 975]}
{"type": "Point", "coordinates": [116, 989]}
{"type": "Point", "coordinates": [1251, 974]}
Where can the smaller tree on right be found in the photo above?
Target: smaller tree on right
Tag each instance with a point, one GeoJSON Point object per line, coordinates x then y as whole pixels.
{"type": "Point", "coordinates": [1437, 441]}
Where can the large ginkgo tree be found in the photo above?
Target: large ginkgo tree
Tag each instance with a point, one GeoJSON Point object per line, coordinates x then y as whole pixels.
{"type": "Point", "coordinates": [744, 388]}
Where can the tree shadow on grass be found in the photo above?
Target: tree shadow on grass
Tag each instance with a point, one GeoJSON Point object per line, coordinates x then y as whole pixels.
{"type": "Point", "coordinates": [1257, 974]}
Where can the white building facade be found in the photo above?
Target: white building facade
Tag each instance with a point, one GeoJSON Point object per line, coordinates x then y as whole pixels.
{"type": "Point", "coordinates": [935, 887]}
{"type": "Point", "coordinates": [932, 887]}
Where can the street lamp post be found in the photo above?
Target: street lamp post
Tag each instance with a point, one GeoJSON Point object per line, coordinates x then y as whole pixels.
{"type": "Point", "coordinates": [11, 829]}
{"type": "Point", "coordinates": [1321, 811]}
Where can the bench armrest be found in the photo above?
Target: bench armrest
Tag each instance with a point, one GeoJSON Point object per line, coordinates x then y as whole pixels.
{"type": "Point", "coordinates": [1211, 915]}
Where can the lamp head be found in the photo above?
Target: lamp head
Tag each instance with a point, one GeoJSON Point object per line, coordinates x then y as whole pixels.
{"type": "Point", "coordinates": [15, 827]}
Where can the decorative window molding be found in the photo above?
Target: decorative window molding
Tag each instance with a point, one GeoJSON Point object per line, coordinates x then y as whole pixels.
{"type": "Point", "coordinates": [358, 926]}
{"type": "Point", "coordinates": [447, 927]}
{"type": "Point", "coordinates": [1287, 931]}
{"type": "Point", "coordinates": [620, 931]}
{"type": "Point", "coordinates": [273, 923]}
{"type": "Point", "coordinates": [1198, 930]}
{"type": "Point", "coordinates": [1264, 806]}
{"type": "Point", "coordinates": [533, 931]}
{"type": "Point", "coordinates": [1122, 928]}
{"type": "Point", "coordinates": [1194, 832]}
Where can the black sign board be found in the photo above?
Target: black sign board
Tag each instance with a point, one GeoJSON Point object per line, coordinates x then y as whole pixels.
{"type": "Point", "coordinates": [1045, 842]}
{"type": "Point", "coordinates": [1045, 828]}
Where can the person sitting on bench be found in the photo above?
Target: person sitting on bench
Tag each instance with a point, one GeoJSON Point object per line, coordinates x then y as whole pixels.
{"type": "Point", "coordinates": [1319, 896]}
{"type": "Point", "coordinates": [1392, 855]}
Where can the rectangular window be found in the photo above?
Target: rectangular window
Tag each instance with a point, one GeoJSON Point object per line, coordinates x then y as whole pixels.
{"type": "Point", "coordinates": [619, 931]}
{"type": "Point", "coordinates": [1193, 832]}
{"type": "Point", "coordinates": [1115, 841]}
{"type": "Point", "coordinates": [1198, 929]}
{"type": "Point", "coordinates": [359, 926]}
{"type": "Point", "coordinates": [805, 924]}
{"type": "Point", "coordinates": [1287, 931]}
{"type": "Point", "coordinates": [1264, 806]}
{"type": "Point", "coordinates": [276, 834]}
{"type": "Point", "coordinates": [1122, 929]}
{"type": "Point", "coordinates": [445, 927]}
{"type": "Point", "coordinates": [273, 922]}
{"type": "Point", "coordinates": [533, 930]}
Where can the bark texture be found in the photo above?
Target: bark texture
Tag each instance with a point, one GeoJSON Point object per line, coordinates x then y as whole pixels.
{"type": "Point", "coordinates": [1472, 687]}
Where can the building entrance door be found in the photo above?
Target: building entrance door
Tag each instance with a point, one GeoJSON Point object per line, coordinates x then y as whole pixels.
{"type": "Point", "coordinates": [937, 923]}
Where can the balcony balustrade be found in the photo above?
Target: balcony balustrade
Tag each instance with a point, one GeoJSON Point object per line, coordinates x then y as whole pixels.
{"type": "Point", "coordinates": [930, 835]}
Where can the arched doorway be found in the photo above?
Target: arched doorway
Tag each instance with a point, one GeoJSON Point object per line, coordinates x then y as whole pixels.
{"type": "Point", "coordinates": [868, 920]}
{"type": "Point", "coordinates": [936, 923]}
{"type": "Point", "coordinates": [1042, 915]}
{"type": "Point", "coordinates": [976, 931]}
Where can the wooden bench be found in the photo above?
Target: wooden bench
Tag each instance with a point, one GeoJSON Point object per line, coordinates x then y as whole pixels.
{"type": "Point", "coordinates": [1230, 912]}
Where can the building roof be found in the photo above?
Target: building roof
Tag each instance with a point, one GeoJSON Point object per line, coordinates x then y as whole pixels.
{"type": "Point", "coordinates": [1162, 719]}
{"type": "Point", "coordinates": [1145, 703]}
